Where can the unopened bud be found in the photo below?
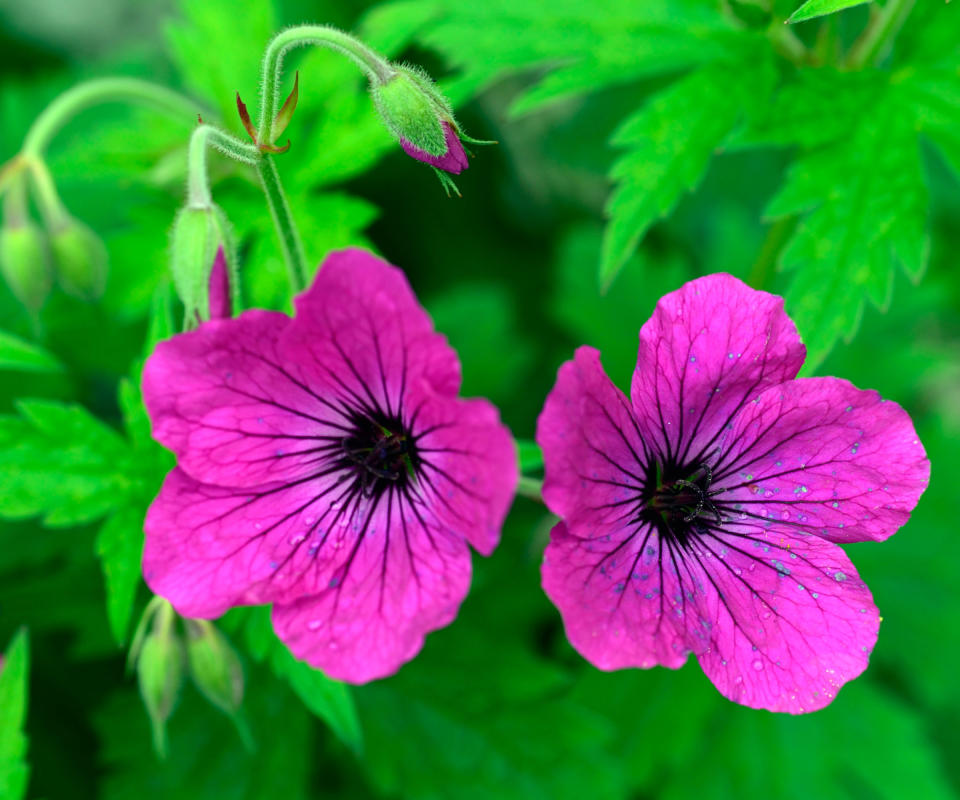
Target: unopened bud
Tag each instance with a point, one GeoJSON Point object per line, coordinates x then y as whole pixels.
{"type": "Point", "coordinates": [25, 263]}
{"type": "Point", "coordinates": [160, 674]}
{"type": "Point", "coordinates": [79, 258]}
{"type": "Point", "coordinates": [214, 665]}
{"type": "Point", "coordinates": [201, 243]}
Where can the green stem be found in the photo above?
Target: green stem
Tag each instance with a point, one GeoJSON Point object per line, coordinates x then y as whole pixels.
{"type": "Point", "coordinates": [52, 209]}
{"type": "Point", "coordinates": [787, 43]}
{"type": "Point", "coordinates": [763, 268]}
{"type": "Point", "coordinates": [16, 213]}
{"type": "Point", "coordinates": [102, 90]}
{"type": "Point", "coordinates": [531, 488]}
{"type": "Point", "coordinates": [290, 242]}
{"type": "Point", "coordinates": [873, 44]}
{"type": "Point", "coordinates": [198, 183]}
{"type": "Point", "coordinates": [374, 66]}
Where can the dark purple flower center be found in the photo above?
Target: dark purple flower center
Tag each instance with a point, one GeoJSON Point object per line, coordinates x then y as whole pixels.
{"type": "Point", "coordinates": [677, 499]}
{"type": "Point", "coordinates": [379, 454]}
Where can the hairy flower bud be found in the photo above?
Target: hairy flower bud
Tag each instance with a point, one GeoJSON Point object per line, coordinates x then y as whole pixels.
{"type": "Point", "coordinates": [25, 263]}
{"type": "Point", "coordinates": [201, 238]}
{"type": "Point", "coordinates": [421, 118]}
{"type": "Point", "coordinates": [214, 665]}
{"type": "Point", "coordinates": [160, 673]}
{"type": "Point", "coordinates": [79, 258]}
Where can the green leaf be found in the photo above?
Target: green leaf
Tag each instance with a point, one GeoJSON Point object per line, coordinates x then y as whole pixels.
{"type": "Point", "coordinates": [207, 760]}
{"type": "Point", "coordinates": [577, 48]}
{"type": "Point", "coordinates": [119, 546]}
{"type": "Point", "coordinates": [328, 699]}
{"type": "Point", "coordinates": [218, 60]}
{"type": "Point", "coordinates": [865, 744]}
{"type": "Point", "coordinates": [818, 8]}
{"type": "Point", "coordinates": [61, 462]}
{"type": "Point", "coordinates": [670, 142]}
{"type": "Point", "coordinates": [865, 206]}
{"type": "Point", "coordinates": [14, 670]}
{"type": "Point", "coordinates": [17, 354]}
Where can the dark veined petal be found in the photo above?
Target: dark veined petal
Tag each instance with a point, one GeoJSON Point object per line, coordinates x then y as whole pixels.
{"type": "Point", "coordinates": [710, 347]}
{"type": "Point", "coordinates": [825, 457]}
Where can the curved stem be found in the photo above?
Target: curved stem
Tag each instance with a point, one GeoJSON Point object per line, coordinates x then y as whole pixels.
{"type": "Point", "coordinates": [290, 242]}
{"type": "Point", "coordinates": [374, 66]}
{"type": "Point", "coordinates": [871, 46]}
{"type": "Point", "coordinates": [52, 209]}
{"type": "Point", "coordinates": [198, 183]}
{"type": "Point", "coordinates": [102, 90]}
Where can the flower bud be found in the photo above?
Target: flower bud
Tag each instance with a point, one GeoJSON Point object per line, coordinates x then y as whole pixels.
{"type": "Point", "coordinates": [80, 259]}
{"type": "Point", "coordinates": [160, 674]}
{"type": "Point", "coordinates": [25, 263]}
{"type": "Point", "coordinates": [421, 118]}
{"type": "Point", "coordinates": [200, 244]}
{"type": "Point", "coordinates": [214, 665]}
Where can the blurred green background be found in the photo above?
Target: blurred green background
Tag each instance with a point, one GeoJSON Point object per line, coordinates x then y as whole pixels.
{"type": "Point", "coordinates": [861, 236]}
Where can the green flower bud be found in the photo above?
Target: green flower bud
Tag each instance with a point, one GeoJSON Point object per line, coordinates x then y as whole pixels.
{"type": "Point", "coordinates": [214, 665]}
{"type": "Point", "coordinates": [160, 674]}
{"type": "Point", "coordinates": [412, 114]}
{"type": "Point", "coordinates": [25, 263]}
{"type": "Point", "coordinates": [80, 259]}
{"type": "Point", "coordinates": [198, 233]}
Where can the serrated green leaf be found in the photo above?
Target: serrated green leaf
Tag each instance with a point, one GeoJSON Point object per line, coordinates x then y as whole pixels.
{"type": "Point", "coordinates": [865, 201]}
{"type": "Point", "coordinates": [61, 462]}
{"type": "Point", "coordinates": [207, 53]}
{"type": "Point", "coordinates": [18, 354]}
{"type": "Point", "coordinates": [670, 142]}
{"type": "Point", "coordinates": [577, 47]}
{"type": "Point", "coordinates": [819, 8]}
{"type": "Point", "coordinates": [14, 672]}
{"type": "Point", "coordinates": [119, 546]}
{"type": "Point", "coordinates": [865, 744]}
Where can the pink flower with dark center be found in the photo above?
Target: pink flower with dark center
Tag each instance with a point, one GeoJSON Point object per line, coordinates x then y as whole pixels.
{"type": "Point", "coordinates": [325, 465]}
{"type": "Point", "coordinates": [453, 160]}
{"type": "Point", "coordinates": [703, 514]}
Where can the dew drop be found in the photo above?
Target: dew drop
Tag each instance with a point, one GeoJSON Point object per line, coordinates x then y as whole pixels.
{"type": "Point", "coordinates": [758, 665]}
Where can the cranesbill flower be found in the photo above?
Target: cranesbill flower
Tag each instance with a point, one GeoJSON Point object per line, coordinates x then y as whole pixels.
{"type": "Point", "coordinates": [703, 514]}
{"type": "Point", "coordinates": [325, 465]}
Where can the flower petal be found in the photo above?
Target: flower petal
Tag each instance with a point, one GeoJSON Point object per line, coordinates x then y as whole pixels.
{"type": "Point", "coordinates": [825, 457]}
{"type": "Point", "coordinates": [360, 329]}
{"type": "Point", "coordinates": [469, 468]}
{"type": "Point", "coordinates": [232, 408]}
{"type": "Point", "coordinates": [454, 160]}
{"type": "Point", "coordinates": [593, 454]}
{"type": "Point", "coordinates": [619, 599]}
{"type": "Point", "coordinates": [790, 619]}
{"type": "Point", "coordinates": [709, 347]}
{"type": "Point", "coordinates": [374, 613]}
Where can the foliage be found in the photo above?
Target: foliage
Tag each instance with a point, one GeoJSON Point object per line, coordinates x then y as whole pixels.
{"type": "Point", "coordinates": [641, 145]}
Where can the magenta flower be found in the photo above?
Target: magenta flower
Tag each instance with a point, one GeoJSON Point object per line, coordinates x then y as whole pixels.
{"type": "Point", "coordinates": [703, 514]}
{"type": "Point", "coordinates": [325, 465]}
{"type": "Point", "coordinates": [454, 160]}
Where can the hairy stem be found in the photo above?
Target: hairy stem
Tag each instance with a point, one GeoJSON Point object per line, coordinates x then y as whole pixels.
{"type": "Point", "coordinates": [198, 183]}
{"type": "Point", "coordinates": [290, 243]}
{"type": "Point", "coordinates": [95, 92]}
{"type": "Point", "coordinates": [374, 66]}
